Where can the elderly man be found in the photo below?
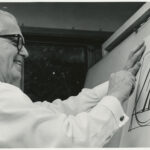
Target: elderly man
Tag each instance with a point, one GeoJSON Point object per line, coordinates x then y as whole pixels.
{"type": "Point", "coordinates": [86, 120]}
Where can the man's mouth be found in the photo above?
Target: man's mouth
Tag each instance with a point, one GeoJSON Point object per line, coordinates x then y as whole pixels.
{"type": "Point", "coordinates": [19, 61]}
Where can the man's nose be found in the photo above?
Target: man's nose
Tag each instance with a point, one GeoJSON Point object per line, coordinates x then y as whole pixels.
{"type": "Point", "coordinates": [24, 52]}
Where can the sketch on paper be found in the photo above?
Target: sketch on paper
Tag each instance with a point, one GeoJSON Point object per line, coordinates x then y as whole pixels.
{"type": "Point", "coordinates": [141, 111]}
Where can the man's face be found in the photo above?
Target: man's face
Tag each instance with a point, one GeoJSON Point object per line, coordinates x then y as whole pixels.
{"type": "Point", "coordinates": [11, 61]}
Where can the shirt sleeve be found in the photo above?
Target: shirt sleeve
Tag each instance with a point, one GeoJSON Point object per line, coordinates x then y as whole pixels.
{"type": "Point", "coordinates": [26, 125]}
{"type": "Point", "coordinates": [83, 102]}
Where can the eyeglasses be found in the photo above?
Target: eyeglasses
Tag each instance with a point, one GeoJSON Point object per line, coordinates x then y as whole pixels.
{"type": "Point", "coordinates": [15, 38]}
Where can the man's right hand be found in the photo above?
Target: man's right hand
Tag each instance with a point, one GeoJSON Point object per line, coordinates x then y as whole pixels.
{"type": "Point", "coordinates": [122, 83]}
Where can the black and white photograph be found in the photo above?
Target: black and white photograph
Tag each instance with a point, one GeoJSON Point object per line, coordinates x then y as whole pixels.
{"type": "Point", "coordinates": [74, 74]}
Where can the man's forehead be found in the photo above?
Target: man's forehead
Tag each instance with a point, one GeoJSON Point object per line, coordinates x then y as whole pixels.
{"type": "Point", "coordinates": [8, 25]}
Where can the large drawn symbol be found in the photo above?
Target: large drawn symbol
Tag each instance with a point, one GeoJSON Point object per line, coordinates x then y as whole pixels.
{"type": "Point", "coordinates": [141, 115]}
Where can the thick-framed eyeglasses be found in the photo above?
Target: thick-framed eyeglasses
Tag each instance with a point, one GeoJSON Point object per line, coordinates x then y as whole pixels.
{"type": "Point", "coordinates": [15, 38]}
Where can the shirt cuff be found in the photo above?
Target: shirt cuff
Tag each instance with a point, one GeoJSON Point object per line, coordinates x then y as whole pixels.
{"type": "Point", "coordinates": [113, 104]}
{"type": "Point", "coordinates": [101, 89]}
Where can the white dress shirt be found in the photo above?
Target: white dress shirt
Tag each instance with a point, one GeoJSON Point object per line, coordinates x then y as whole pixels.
{"type": "Point", "coordinates": [86, 120]}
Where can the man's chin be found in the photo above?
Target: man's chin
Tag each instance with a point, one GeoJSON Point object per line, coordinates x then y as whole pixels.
{"type": "Point", "coordinates": [16, 80]}
{"type": "Point", "coordinates": [18, 84]}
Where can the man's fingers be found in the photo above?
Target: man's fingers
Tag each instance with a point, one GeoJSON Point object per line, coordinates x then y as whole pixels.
{"type": "Point", "coordinates": [136, 50]}
{"type": "Point", "coordinates": [137, 56]}
{"type": "Point", "coordinates": [135, 69]}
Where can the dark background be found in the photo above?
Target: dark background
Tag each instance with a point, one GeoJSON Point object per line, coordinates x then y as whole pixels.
{"type": "Point", "coordinates": [59, 60]}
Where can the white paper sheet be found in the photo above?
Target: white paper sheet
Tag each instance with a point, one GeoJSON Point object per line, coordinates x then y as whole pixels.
{"type": "Point", "coordinates": [136, 133]}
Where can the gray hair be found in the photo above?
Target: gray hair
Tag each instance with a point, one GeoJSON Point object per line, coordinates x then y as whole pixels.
{"type": "Point", "coordinates": [6, 19]}
{"type": "Point", "coordinates": [5, 13]}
